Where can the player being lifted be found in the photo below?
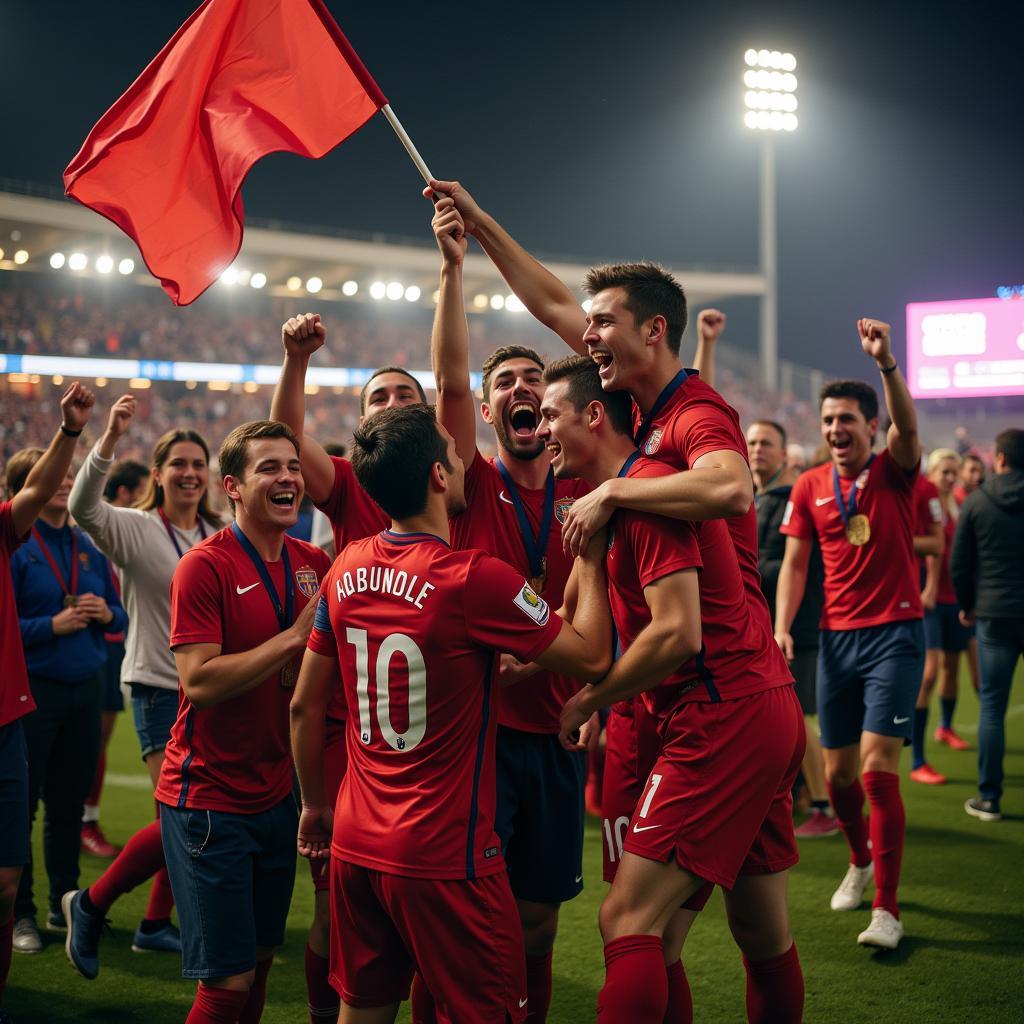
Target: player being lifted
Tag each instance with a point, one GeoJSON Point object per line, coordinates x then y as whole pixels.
{"type": "Point", "coordinates": [416, 626]}
{"type": "Point", "coordinates": [859, 506]}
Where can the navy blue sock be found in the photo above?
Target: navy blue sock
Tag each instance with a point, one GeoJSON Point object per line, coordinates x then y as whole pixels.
{"type": "Point", "coordinates": [920, 725]}
{"type": "Point", "coordinates": [948, 705]}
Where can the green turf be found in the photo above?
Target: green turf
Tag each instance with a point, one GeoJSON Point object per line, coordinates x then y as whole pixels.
{"type": "Point", "coordinates": [962, 895]}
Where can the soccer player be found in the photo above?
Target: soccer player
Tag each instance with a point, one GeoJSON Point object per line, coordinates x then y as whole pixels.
{"type": "Point", "coordinates": [773, 480]}
{"type": "Point", "coordinates": [241, 610]}
{"type": "Point", "coordinates": [859, 507]}
{"type": "Point", "coordinates": [146, 542]}
{"type": "Point", "coordinates": [418, 874]}
{"type": "Point", "coordinates": [709, 671]}
{"type": "Point", "coordinates": [988, 575]}
{"type": "Point", "coordinates": [16, 518]}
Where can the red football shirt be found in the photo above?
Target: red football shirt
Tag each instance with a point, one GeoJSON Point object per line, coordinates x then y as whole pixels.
{"type": "Point", "coordinates": [15, 696]}
{"type": "Point", "coordinates": [740, 656]}
{"type": "Point", "coordinates": [490, 524]}
{"type": "Point", "coordinates": [878, 582]}
{"type": "Point", "coordinates": [236, 755]}
{"type": "Point", "coordinates": [417, 628]}
{"type": "Point", "coordinates": [927, 507]}
{"type": "Point", "coordinates": [352, 512]}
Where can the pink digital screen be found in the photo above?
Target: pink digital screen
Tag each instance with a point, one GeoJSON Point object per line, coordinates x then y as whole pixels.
{"type": "Point", "coordinates": [967, 348]}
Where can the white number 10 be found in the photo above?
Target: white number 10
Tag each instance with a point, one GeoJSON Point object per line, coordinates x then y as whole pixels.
{"type": "Point", "coordinates": [395, 643]}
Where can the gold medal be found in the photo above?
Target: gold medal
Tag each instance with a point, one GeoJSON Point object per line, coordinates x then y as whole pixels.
{"type": "Point", "coordinates": [70, 600]}
{"type": "Point", "coordinates": [537, 583]}
{"type": "Point", "coordinates": [858, 530]}
{"type": "Point", "coordinates": [288, 675]}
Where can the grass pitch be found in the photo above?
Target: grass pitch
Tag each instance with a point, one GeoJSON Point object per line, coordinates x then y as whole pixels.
{"type": "Point", "coordinates": [962, 898]}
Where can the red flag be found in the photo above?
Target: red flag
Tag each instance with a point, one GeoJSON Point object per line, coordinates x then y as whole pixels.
{"type": "Point", "coordinates": [240, 79]}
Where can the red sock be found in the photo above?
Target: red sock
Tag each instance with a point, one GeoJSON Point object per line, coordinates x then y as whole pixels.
{"type": "Point", "coordinates": [538, 987]}
{"type": "Point", "coordinates": [93, 799]}
{"type": "Point", "coordinates": [422, 1002]}
{"type": "Point", "coordinates": [775, 989]}
{"type": "Point", "coordinates": [161, 899]}
{"type": "Point", "coordinates": [216, 1006]}
{"type": "Point", "coordinates": [848, 803]}
{"type": "Point", "coordinates": [141, 858]}
{"type": "Point", "coordinates": [323, 1000]}
{"type": "Point", "coordinates": [253, 1008]}
{"type": "Point", "coordinates": [888, 827]}
{"type": "Point", "coordinates": [635, 984]}
{"type": "Point", "coordinates": [680, 999]}
{"type": "Point", "coordinates": [6, 934]}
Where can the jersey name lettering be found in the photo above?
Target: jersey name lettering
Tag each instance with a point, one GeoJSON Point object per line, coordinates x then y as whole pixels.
{"type": "Point", "coordinates": [379, 579]}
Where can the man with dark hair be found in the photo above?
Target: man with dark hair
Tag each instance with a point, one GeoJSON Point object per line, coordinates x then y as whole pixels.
{"type": "Point", "coordinates": [241, 610]}
{"type": "Point", "coordinates": [126, 483]}
{"type": "Point", "coordinates": [971, 477]}
{"type": "Point", "coordinates": [860, 509]}
{"type": "Point", "coordinates": [988, 575]}
{"type": "Point", "coordinates": [415, 626]}
{"type": "Point", "coordinates": [717, 806]}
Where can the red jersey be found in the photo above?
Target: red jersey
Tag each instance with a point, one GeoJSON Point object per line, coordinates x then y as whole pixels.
{"type": "Point", "coordinates": [236, 755]}
{"type": "Point", "coordinates": [352, 512]}
{"type": "Point", "coordinates": [694, 420]}
{"type": "Point", "coordinates": [927, 507]}
{"type": "Point", "coordinates": [417, 628]}
{"type": "Point", "coordinates": [491, 524]}
{"type": "Point", "coordinates": [739, 655]}
{"type": "Point", "coordinates": [875, 583]}
{"type": "Point", "coordinates": [15, 696]}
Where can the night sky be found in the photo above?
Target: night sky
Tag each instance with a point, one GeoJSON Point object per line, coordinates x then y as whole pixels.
{"type": "Point", "coordinates": [607, 131]}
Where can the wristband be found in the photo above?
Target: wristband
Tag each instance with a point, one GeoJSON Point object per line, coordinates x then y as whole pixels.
{"type": "Point", "coordinates": [68, 432]}
{"type": "Point", "coordinates": [886, 370]}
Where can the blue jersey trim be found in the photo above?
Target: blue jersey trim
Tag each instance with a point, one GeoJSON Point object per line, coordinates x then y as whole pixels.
{"type": "Point", "coordinates": [705, 674]}
{"type": "Point", "coordinates": [322, 620]}
{"type": "Point", "coordinates": [481, 744]}
{"type": "Point", "coordinates": [189, 719]}
{"type": "Point", "coordinates": [411, 538]}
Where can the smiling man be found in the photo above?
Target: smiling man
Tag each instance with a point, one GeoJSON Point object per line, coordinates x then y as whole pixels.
{"type": "Point", "coordinates": [241, 611]}
{"type": "Point", "coordinates": [859, 506]}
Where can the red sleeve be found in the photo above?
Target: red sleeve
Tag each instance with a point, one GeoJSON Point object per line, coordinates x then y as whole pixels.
{"type": "Point", "coordinates": [797, 521]}
{"type": "Point", "coordinates": [902, 479]}
{"type": "Point", "coordinates": [661, 546]}
{"type": "Point", "coordinates": [196, 601]}
{"type": "Point", "coordinates": [344, 482]}
{"type": "Point", "coordinates": [504, 613]}
{"type": "Point", "coordinates": [9, 539]}
{"type": "Point", "coordinates": [927, 508]}
{"type": "Point", "coordinates": [702, 428]}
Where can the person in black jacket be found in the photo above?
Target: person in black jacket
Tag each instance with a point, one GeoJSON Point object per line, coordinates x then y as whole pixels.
{"type": "Point", "coordinates": [988, 576]}
{"type": "Point", "coordinates": [773, 480]}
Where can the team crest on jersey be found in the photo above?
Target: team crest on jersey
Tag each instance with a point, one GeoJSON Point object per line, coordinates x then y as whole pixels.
{"type": "Point", "coordinates": [306, 581]}
{"type": "Point", "coordinates": [562, 507]}
{"type": "Point", "coordinates": [532, 604]}
{"type": "Point", "coordinates": [653, 443]}
{"type": "Point", "coordinates": [83, 560]}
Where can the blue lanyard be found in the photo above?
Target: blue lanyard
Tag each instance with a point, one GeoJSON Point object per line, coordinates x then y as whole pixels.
{"type": "Point", "coordinates": [666, 394]}
{"type": "Point", "coordinates": [286, 614]}
{"type": "Point", "coordinates": [535, 546]}
{"type": "Point", "coordinates": [171, 534]}
{"type": "Point", "coordinates": [848, 509]}
{"type": "Point", "coordinates": [628, 464]}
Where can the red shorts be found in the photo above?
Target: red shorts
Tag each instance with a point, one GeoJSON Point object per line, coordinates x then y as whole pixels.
{"type": "Point", "coordinates": [463, 936]}
{"type": "Point", "coordinates": [335, 765]}
{"type": "Point", "coordinates": [719, 797]}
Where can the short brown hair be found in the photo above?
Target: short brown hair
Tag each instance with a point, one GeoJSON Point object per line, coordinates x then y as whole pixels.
{"type": "Point", "coordinates": [583, 378]}
{"type": "Point", "coordinates": [19, 465]}
{"type": "Point", "coordinates": [777, 427]}
{"type": "Point", "coordinates": [388, 369]}
{"type": "Point", "coordinates": [501, 355]}
{"type": "Point", "coordinates": [234, 452]}
{"type": "Point", "coordinates": [153, 495]}
{"type": "Point", "coordinates": [650, 291]}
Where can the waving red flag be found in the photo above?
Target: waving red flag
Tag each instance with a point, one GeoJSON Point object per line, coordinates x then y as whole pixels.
{"type": "Point", "coordinates": [240, 79]}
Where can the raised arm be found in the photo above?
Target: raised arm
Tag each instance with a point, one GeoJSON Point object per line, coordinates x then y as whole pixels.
{"type": "Point", "coordinates": [49, 472]}
{"type": "Point", "coordinates": [710, 324]}
{"type": "Point", "coordinates": [449, 339]}
{"type": "Point", "coordinates": [301, 336]}
{"type": "Point", "coordinates": [902, 440]}
{"type": "Point", "coordinates": [546, 296]}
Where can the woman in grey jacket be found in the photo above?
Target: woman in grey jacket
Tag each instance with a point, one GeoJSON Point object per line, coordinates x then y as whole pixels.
{"type": "Point", "coordinates": [146, 543]}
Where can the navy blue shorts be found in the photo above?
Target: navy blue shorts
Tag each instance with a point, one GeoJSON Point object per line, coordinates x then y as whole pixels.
{"type": "Point", "coordinates": [232, 877]}
{"type": "Point", "coordinates": [540, 815]}
{"type": "Point", "coordinates": [868, 680]}
{"type": "Point", "coordinates": [154, 710]}
{"type": "Point", "coordinates": [14, 826]}
{"type": "Point", "coordinates": [943, 630]}
{"type": "Point", "coordinates": [113, 699]}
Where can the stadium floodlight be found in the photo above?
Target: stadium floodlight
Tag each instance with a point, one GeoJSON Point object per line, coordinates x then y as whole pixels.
{"type": "Point", "coordinates": [104, 264]}
{"type": "Point", "coordinates": [244, 277]}
{"type": "Point", "coordinates": [21, 257]}
{"type": "Point", "coordinates": [480, 301]}
{"type": "Point", "coordinates": [294, 283]}
{"type": "Point", "coordinates": [313, 285]}
{"type": "Point", "coordinates": [378, 290]}
{"type": "Point", "coordinates": [57, 260]}
{"type": "Point", "coordinates": [513, 305]}
{"type": "Point", "coordinates": [1, 254]}
{"type": "Point", "coordinates": [258, 280]}
{"type": "Point", "coordinates": [229, 276]}
{"type": "Point", "coordinates": [497, 302]}
{"type": "Point", "coordinates": [126, 266]}
{"type": "Point", "coordinates": [349, 288]}
{"type": "Point", "coordinates": [77, 261]}
{"type": "Point", "coordinates": [395, 290]}
{"type": "Point", "coordinates": [413, 293]}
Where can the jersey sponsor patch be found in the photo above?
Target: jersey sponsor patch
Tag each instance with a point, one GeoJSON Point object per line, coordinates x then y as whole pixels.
{"type": "Point", "coordinates": [787, 513]}
{"type": "Point", "coordinates": [653, 443]}
{"type": "Point", "coordinates": [562, 507]}
{"type": "Point", "coordinates": [532, 604]}
{"type": "Point", "coordinates": [306, 581]}
{"type": "Point", "coordinates": [935, 508]}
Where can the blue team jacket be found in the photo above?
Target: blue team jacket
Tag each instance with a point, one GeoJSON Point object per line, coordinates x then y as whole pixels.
{"type": "Point", "coordinates": [74, 657]}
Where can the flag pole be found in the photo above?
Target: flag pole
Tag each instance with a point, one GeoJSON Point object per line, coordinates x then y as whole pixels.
{"type": "Point", "coordinates": [403, 137]}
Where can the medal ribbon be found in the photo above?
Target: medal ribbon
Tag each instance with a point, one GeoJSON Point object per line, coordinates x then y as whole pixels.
{"type": "Point", "coordinates": [51, 561]}
{"type": "Point", "coordinates": [535, 546]}
{"type": "Point", "coordinates": [173, 536]}
{"type": "Point", "coordinates": [662, 400]}
{"type": "Point", "coordinates": [847, 509]}
{"type": "Point", "coordinates": [285, 614]}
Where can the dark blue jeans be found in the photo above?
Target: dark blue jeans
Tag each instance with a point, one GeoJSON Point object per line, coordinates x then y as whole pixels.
{"type": "Point", "coordinates": [1000, 645]}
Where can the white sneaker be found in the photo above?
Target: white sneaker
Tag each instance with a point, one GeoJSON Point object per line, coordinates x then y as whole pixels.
{"type": "Point", "coordinates": [850, 893]}
{"type": "Point", "coordinates": [884, 930]}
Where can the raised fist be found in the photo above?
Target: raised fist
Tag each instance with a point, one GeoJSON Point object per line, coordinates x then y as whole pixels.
{"type": "Point", "coordinates": [121, 413]}
{"type": "Point", "coordinates": [76, 406]}
{"type": "Point", "coordinates": [710, 324]}
{"type": "Point", "coordinates": [302, 335]}
{"type": "Point", "coordinates": [875, 339]}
